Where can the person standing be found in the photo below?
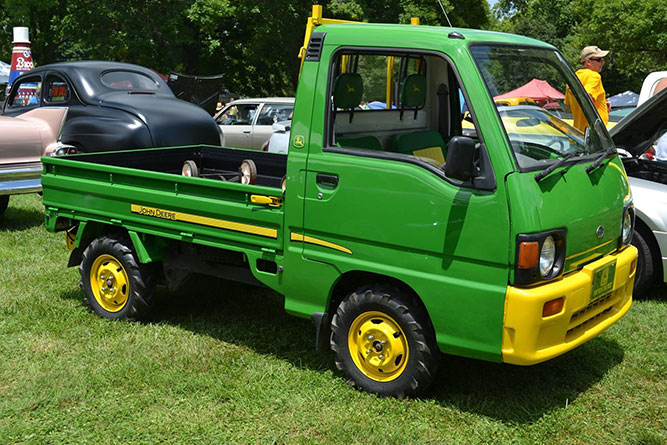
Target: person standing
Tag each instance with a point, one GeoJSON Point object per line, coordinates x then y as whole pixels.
{"type": "Point", "coordinates": [592, 61]}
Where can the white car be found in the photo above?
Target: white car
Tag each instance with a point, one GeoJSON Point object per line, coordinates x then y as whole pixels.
{"type": "Point", "coordinates": [279, 140]}
{"type": "Point", "coordinates": [649, 85]}
{"type": "Point", "coordinates": [648, 182]}
{"type": "Point", "coordinates": [248, 123]}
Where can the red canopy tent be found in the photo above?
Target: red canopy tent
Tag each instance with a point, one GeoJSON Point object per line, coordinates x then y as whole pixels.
{"type": "Point", "coordinates": [538, 90]}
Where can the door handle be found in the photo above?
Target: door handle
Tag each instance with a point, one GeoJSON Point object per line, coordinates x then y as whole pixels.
{"type": "Point", "coordinates": [325, 179]}
{"type": "Point", "coordinates": [246, 131]}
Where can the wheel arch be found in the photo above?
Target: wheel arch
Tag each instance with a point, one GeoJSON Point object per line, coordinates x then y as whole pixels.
{"type": "Point", "coordinates": [147, 247]}
{"type": "Point", "coordinates": [653, 245]}
{"type": "Point", "coordinates": [348, 283]}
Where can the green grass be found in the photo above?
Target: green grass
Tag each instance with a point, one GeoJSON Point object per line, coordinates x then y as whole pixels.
{"type": "Point", "coordinates": [223, 363]}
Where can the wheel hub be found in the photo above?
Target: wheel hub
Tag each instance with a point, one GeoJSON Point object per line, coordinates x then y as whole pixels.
{"type": "Point", "coordinates": [378, 346]}
{"type": "Point", "coordinates": [109, 283]}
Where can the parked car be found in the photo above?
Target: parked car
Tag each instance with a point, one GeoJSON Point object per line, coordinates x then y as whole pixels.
{"type": "Point", "coordinates": [23, 140]}
{"type": "Point", "coordinates": [112, 106]}
{"type": "Point", "coordinates": [649, 85]}
{"type": "Point", "coordinates": [247, 123]}
{"type": "Point", "coordinates": [648, 182]}
{"type": "Point", "coordinates": [279, 140]}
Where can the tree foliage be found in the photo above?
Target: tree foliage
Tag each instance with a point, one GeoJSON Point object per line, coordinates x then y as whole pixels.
{"type": "Point", "coordinates": [253, 43]}
{"type": "Point", "coordinates": [634, 30]}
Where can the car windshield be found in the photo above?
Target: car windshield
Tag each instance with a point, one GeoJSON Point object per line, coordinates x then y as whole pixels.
{"type": "Point", "coordinates": [531, 88]}
{"type": "Point", "coordinates": [128, 80]}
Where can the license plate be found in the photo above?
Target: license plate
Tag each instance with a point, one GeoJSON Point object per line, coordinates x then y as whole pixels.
{"type": "Point", "coordinates": [603, 280]}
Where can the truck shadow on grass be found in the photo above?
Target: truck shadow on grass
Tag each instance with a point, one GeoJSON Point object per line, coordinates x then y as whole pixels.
{"type": "Point", "coordinates": [255, 318]}
{"type": "Point", "coordinates": [17, 219]}
{"type": "Point", "coordinates": [518, 394]}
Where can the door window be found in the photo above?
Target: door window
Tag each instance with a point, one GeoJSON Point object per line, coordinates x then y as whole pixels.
{"type": "Point", "coordinates": [238, 114]}
{"type": "Point", "coordinates": [26, 94]}
{"type": "Point", "coordinates": [272, 113]}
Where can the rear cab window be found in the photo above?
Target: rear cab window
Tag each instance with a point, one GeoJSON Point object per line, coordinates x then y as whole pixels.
{"type": "Point", "coordinates": [129, 81]}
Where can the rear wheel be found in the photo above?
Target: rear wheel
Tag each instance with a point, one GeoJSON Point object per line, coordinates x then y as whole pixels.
{"type": "Point", "coordinates": [116, 285]}
{"type": "Point", "coordinates": [645, 264]}
{"type": "Point", "coordinates": [4, 202]}
{"type": "Point", "coordinates": [384, 343]}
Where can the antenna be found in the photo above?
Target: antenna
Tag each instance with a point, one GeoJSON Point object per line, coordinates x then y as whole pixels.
{"type": "Point", "coordinates": [445, 12]}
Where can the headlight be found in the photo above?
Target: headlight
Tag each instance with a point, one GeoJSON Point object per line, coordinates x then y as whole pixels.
{"type": "Point", "coordinates": [539, 256]}
{"type": "Point", "coordinates": [627, 226]}
{"type": "Point", "coordinates": [547, 256]}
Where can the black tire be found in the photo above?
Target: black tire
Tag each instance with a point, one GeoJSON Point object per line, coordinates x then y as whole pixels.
{"type": "Point", "coordinates": [644, 276]}
{"type": "Point", "coordinates": [4, 202]}
{"type": "Point", "coordinates": [373, 315]}
{"type": "Point", "coordinates": [122, 288]}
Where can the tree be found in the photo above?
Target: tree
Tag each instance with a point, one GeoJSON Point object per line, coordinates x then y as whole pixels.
{"type": "Point", "coordinates": [635, 31]}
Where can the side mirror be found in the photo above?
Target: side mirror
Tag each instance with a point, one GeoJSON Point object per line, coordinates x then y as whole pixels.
{"type": "Point", "coordinates": [460, 156]}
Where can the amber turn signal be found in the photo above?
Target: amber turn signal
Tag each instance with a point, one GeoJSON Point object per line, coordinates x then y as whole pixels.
{"type": "Point", "coordinates": [528, 254]}
{"type": "Point", "coordinates": [633, 266]}
{"type": "Point", "coordinates": [553, 307]}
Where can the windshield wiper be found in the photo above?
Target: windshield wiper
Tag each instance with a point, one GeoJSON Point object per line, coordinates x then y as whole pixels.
{"type": "Point", "coordinates": [552, 167]}
{"type": "Point", "coordinates": [599, 159]}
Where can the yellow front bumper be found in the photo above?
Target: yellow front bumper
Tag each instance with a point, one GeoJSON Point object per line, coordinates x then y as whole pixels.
{"type": "Point", "coordinates": [529, 338]}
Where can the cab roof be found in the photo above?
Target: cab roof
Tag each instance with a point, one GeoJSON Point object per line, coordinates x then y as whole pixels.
{"type": "Point", "coordinates": [417, 36]}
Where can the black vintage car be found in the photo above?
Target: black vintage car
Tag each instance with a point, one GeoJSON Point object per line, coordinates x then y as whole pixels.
{"type": "Point", "coordinates": [112, 106]}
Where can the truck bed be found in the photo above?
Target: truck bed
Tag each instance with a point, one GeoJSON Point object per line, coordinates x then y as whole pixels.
{"type": "Point", "coordinates": [143, 191]}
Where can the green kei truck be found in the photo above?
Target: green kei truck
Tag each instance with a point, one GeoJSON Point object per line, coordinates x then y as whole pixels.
{"type": "Point", "coordinates": [413, 215]}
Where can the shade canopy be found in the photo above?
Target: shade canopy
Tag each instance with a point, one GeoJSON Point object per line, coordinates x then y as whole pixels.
{"type": "Point", "coordinates": [624, 99]}
{"type": "Point", "coordinates": [536, 89]}
{"type": "Point", "coordinates": [4, 72]}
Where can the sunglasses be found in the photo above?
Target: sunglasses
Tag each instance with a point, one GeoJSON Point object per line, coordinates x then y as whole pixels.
{"type": "Point", "coordinates": [600, 59]}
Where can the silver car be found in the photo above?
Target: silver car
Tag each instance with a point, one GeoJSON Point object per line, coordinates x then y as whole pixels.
{"type": "Point", "coordinates": [648, 182]}
{"type": "Point", "coordinates": [247, 123]}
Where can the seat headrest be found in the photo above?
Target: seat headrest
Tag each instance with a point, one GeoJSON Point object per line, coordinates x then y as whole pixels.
{"type": "Point", "coordinates": [348, 89]}
{"type": "Point", "coordinates": [413, 91]}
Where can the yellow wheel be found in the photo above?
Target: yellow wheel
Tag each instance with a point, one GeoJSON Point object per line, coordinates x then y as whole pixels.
{"type": "Point", "coordinates": [384, 341]}
{"type": "Point", "coordinates": [115, 283]}
{"type": "Point", "coordinates": [109, 283]}
{"type": "Point", "coordinates": [378, 346]}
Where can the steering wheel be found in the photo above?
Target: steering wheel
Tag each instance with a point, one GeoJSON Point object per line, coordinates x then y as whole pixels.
{"type": "Point", "coordinates": [556, 141]}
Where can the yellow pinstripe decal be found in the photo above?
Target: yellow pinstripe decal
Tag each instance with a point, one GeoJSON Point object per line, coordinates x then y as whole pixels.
{"type": "Point", "coordinates": [319, 242]}
{"type": "Point", "coordinates": [204, 221]}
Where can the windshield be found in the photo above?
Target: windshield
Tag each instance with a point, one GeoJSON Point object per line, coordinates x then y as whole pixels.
{"type": "Point", "coordinates": [529, 87]}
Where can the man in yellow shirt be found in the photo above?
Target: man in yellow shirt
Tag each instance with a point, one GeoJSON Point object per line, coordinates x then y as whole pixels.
{"type": "Point", "coordinates": [592, 61]}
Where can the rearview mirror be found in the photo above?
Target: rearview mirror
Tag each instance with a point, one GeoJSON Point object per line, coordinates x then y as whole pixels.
{"type": "Point", "coordinates": [460, 156]}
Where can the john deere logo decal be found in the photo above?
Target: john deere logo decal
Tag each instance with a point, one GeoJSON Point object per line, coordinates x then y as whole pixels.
{"type": "Point", "coordinates": [298, 142]}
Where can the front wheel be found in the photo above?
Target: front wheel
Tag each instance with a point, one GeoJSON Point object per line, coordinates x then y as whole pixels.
{"type": "Point", "coordinates": [384, 342]}
{"type": "Point", "coordinates": [116, 285]}
{"type": "Point", "coordinates": [645, 264]}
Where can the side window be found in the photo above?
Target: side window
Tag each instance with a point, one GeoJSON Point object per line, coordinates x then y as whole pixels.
{"type": "Point", "coordinates": [272, 113]}
{"type": "Point", "coordinates": [57, 91]}
{"type": "Point", "coordinates": [410, 105]}
{"type": "Point", "coordinates": [27, 93]}
{"type": "Point", "coordinates": [238, 114]}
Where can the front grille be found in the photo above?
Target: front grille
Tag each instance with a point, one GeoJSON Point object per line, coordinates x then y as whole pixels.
{"type": "Point", "coordinates": [589, 316]}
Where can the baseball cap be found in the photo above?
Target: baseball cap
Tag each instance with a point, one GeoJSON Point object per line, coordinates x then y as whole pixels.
{"type": "Point", "coordinates": [592, 51]}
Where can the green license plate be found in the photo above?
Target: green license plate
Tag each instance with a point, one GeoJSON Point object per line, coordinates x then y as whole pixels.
{"type": "Point", "coordinates": [603, 280]}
